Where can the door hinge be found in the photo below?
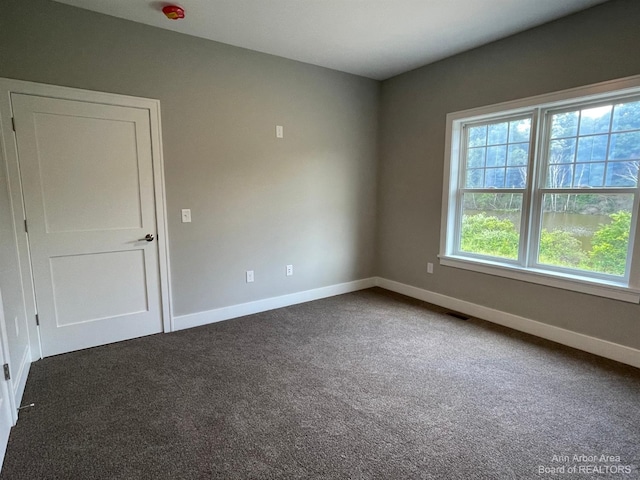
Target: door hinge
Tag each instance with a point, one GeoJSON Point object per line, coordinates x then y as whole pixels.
{"type": "Point", "coordinates": [7, 375]}
{"type": "Point", "coordinates": [13, 123]}
{"type": "Point", "coordinates": [25, 226]}
{"type": "Point", "coordinates": [37, 320]}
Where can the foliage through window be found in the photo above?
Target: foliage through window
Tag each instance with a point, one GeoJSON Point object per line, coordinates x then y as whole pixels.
{"type": "Point", "coordinates": [551, 188]}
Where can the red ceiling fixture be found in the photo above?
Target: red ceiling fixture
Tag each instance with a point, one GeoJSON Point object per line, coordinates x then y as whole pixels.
{"type": "Point", "coordinates": [173, 12]}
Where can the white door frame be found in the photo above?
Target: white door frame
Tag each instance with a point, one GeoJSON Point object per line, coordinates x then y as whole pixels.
{"type": "Point", "coordinates": [6, 387]}
{"type": "Point", "coordinates": [9, 156]}
{"type": "Point", "coordinates": [4, 358]}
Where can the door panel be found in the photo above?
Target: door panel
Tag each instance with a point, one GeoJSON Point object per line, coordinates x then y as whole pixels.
{"type": "Point", "coordinates": [118, 290]}
{"type": "Point", "coordinates": [112, 167]}
{"type": "Point", "coordinates": [87, 177]}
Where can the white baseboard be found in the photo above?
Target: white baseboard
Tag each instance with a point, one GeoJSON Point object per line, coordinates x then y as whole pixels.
{"type": "Point", "coordinates": [603, 348]}
{"type": "Point", "coordinates": [21, 376]}
{"type": "Point", "coordinates": [225, 313]}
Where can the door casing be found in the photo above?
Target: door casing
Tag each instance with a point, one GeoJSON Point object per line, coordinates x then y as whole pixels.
{"type": "Point", "coordinates": [9, 156]}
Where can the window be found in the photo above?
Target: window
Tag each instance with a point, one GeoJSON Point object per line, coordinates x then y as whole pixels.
{"type": "Point", "coordinates": [546, 190]}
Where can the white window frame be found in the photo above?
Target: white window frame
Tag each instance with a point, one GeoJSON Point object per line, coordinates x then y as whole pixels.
{"type": "Point", "coordinates": [526, 268]}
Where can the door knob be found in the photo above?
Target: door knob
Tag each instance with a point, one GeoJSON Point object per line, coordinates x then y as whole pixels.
{"type": "Point", "coordinates": [148, 237]}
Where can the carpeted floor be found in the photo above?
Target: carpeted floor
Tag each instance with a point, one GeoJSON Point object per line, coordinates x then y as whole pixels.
{"type": "Point", "coordinates": [365, 385]}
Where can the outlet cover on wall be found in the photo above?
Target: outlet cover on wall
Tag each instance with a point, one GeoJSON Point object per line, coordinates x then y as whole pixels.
{"type": "Point", "coordinates": [186, 215]}
{"type": "Point", "coordinates": [249, 276]}
{"type": "Point", "coordinates": [429, 267]}
{"type": "Point", "coordinates": [289, 270]}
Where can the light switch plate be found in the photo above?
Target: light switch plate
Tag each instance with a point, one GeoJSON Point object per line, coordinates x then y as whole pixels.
{"type": "Point", "coordinates": [186, 215]}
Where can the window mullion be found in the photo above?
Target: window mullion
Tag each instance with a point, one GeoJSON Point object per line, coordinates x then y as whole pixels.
{"type": "Point", "coordinates": [459, 197]}
{"type": "Point", "coordinates": [458, 219]}
{"type": "Point", "coordinates": [632, 258]}
{"type": "Point", "coordinates": [529, 208]}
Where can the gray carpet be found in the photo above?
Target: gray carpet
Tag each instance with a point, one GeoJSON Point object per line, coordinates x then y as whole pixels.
{"type": "Point", "coordinates": [365, 385]}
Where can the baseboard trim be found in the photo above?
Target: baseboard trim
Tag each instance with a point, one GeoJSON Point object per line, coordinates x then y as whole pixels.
{"type": "Point", "coordinates": [182, 322]}
{"type": "Point", "coordinates": [596, 346]}
{"type": "Point", "coordinates": [603, 348]}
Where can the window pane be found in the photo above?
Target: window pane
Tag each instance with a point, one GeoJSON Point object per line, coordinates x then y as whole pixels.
{"type": "Point", "coordinates": [591, 149]}
{"type": "Point", "coordinates": [497, 133]}
{"type": "Point", "coordinates": [622, 174]}
{"type": "Point", "coordinates": [595, 120]}
{"type": "Point", "coordinates": [475, 178]}
{"type": "Point", "coordinates": [559, 176]}
{"type": "Point", "coordinates": [491, 224]}
{"type": "Point", "coordinates": [618, 153]}
{"type": "Point", "coordinates": [485, 164]}
{"type": "Point", "coordinates": [588, 175]}
{"type": "Point", "coordinates": [518, 154]}
{"type": "Point", "coordinates": [562, 151]}
{"type": "Point", "coordinates": [625, 146]}
{"type": "Point", "coordinates": [520, 130]}
{"type": "Point", "coordinates": [516, 177]}
{"type": "Point", "coordinates": [586, 232]}
{"type": "Point", "coordinates": [496, 156]}
{"type": "Point", "coordinates": [475, 157]}
{"type": "Point", "coordinates": [626, 116]}
{"type": "Point", "coordinates": [494, 178]}
{"type": "Point", "coordinates": [564, 124]}
{"type": "Point", "coordinates": [477, 136]}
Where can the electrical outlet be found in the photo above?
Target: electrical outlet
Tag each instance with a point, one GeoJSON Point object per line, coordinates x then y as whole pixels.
{"type": "Point", "coordinates": [279, 131]}
{"type": "Point", "coordinates": [186, 215]}
{"type": "Point", "coordinates": [429, 267]}
{"type": "Point", "coordinates": [289, 270]}
{"type": "Point", "coordinates": [249, 276]}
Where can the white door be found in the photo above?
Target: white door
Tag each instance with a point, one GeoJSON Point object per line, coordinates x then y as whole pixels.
{"type": "Point", "coordinates": [87, 178]}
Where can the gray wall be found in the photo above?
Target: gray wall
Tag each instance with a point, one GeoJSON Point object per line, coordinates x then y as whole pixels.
{"type": "Point", "coordinates": [592, 46]}
{"type": "Point", "coordinates": [257, 202]}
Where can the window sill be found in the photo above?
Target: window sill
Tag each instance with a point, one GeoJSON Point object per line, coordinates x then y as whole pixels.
{"type": "Point", "coordinates": [616, 291]}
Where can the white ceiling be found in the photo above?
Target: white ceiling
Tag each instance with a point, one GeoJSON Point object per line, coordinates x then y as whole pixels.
{"type": "Point", "coordinates": [373, 38]}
